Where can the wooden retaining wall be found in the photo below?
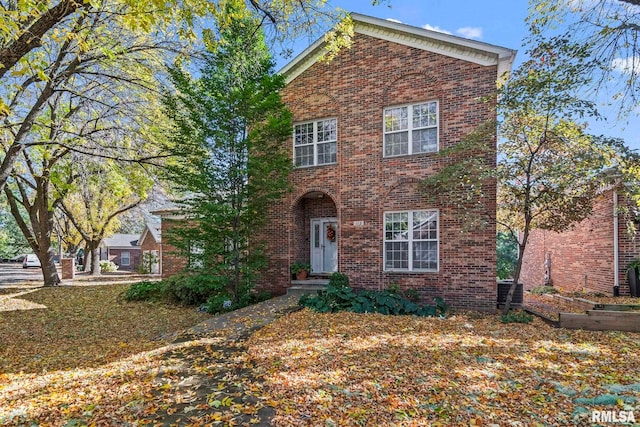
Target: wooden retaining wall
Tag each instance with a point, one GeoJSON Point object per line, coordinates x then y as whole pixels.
{"type": "Point", "coordinates": [602, 320]}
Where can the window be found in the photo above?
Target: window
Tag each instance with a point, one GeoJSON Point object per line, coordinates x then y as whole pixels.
{"type": "Point", "coordinates": [314, 143]}
{"type": "Point", "coordinates": [196, 255]}
{"type": "Point", "coordinates": [411, 240]}
{"type": "Point", "coordinates": [411, 129]}
{"type": "Point", "coordinates": [125, 259]}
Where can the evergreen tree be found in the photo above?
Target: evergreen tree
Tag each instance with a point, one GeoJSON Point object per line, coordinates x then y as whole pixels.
{"type": "Point", "coordinates": [230, 126]}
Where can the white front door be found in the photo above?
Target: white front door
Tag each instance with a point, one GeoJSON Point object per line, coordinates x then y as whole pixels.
{"type": "Point", "coordinates": [324, 245]}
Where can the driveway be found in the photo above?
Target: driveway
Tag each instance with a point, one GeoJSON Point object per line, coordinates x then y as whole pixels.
{"type": "Point", "coordinates": [12, 273]}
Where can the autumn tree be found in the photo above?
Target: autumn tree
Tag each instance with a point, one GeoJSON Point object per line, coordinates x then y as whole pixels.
{"type": "Point", "coordinates": [32, 29]}
{"type": "Point", "coordinates": [97, 100]}
{"type": "Point", "coordinates": [610, 31]}
{"type": "Point", "coordinates": [32, 205]}
{"type": "Point", "coordinates": [230, 125]}
{"type": "Point", "coordinates": [107, 189]}
{"type": "Point", "coordinates": [549, 169]}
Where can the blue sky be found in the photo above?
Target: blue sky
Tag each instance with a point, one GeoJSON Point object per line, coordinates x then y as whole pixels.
{"type": "Point", "coordinates": [493, 21]}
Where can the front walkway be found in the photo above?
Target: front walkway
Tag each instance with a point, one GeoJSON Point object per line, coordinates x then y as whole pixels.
{"type": "Point", "coordinates": [240, 323]}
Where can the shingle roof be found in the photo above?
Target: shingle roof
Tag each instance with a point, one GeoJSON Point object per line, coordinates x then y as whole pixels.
{"type": "Point", "coordinates": [121, 240]}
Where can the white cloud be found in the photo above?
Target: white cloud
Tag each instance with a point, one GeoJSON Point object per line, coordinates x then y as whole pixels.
{"type": "Point", "coordinates": [470, 32]}
{"type": "Point", "coordinates": [627, 65]}
{"type": "Point", "coordinates": [435, 28]}
{"type": "Point", "coordinates": [394, 20]}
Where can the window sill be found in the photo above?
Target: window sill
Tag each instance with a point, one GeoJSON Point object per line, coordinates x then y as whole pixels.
{"type": "Point", "coordinates": [396, 156]}
{"type": "Point", "coordinates": [410, 271]}
{"type": "Point", "coordinates": [314, 166]}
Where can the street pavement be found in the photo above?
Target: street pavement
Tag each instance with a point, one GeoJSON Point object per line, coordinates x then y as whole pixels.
{"type": "Point", "coordinates": [12, 273]}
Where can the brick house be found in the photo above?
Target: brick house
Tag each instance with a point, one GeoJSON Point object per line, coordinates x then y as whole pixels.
{"type": "Point", "coordinates": [593, 256]}
{"type": "Point", "coordinates": [123, 250]}
{"type": "Point", "coordinates": [150, 243]}
{"type": "Point", "coordinates": [170, 262]}
{"type": "Point", "coordinates": [367, 127]}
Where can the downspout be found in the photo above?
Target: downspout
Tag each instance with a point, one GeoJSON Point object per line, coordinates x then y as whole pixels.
{"type": "Point", "coordinates": [616, 249]}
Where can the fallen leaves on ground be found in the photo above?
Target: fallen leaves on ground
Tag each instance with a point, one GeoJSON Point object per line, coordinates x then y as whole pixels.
{"type": "Point", "coordinates": [84, 327]}
{"type": "Point", "coordinates": [196, 380]}
{"type": "Point", "coordinates": [201, 382]}
{"type": "Point", "coordinates": [551, 306]}
{"type": "Point", "coordinates": [347, 369]}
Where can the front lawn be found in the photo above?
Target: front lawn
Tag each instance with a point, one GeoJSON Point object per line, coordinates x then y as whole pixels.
{"type": "Point", "coordinates": [313, 369]}
{"type": "Point", "coordinates": [83, 327]}
{"type": "Point", "coordinates": [369, 370]}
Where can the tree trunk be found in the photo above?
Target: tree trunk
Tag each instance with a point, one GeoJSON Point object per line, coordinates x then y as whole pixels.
{"type": "Point", "coordinates": [31, 39]}
{"type": "Point", "coordinates": [516, 275]}
{"type": "Point", "coordinates": [49, 270]}
{"type": "Point", "coordinates": [95, 262]}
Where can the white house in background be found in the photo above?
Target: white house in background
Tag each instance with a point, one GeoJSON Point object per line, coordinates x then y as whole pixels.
{"type": "Point", "coordinates": [123, 250]}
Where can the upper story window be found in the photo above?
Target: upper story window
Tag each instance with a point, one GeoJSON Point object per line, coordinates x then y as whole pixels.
{"type": "Point", "coordinates": [315, 143]}
{"type": "Point", "coordinates": [411, 129]}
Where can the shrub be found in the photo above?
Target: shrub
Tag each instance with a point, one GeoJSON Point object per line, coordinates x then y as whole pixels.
{"type": "Point", "coordinates": [209, 292]}
{"type": "Point", "coordinates": [147, 262]}
{"type": "Point", "coordinates": [144, 291]}
{"type": "Point", "coordinates": [107, 267]}
{"type": "Point", "coordinates": [339, 280]}
{"type": "Point", "coordinates": [540, 290]}
{"type": "Point", "coordinates": [517, 317]}
{"type": "Point", "coordinates": [340, 297]}
{"type": "Point", "coordinates": [412, 295]}
{"type": "Point", "coordinates": [194, 289]}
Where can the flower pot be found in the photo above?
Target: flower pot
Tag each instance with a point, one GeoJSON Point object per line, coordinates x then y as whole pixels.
{"type": "Point", "coordinates": [302, 274]}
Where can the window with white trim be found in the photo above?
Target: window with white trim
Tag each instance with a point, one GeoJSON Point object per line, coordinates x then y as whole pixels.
{"type": "Point", "coordinates": [315, 143]}
{"type": "Point", "coordinates": [411, 240]}
{"type": "Point", "coordinates": [196, 255]}
{"type": "Point", "coordinates": [125, 259]}
{"type": "Point", "coordinates": [411, 129]}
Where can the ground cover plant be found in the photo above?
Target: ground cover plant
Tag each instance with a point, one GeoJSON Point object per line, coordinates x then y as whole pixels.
{"type": "Point", "coordinates": [338, 296]}
{"type": "Point", "coordinates": [83, 327]}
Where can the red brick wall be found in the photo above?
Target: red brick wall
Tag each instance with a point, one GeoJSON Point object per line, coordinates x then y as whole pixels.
{"type": "Point", "coordinates": [149, 243]}
{"type": "Point", "coordinates": [171, 263]}
{"type": "Point", "coordinates": [134, 258]}
{"type": "Point", "coordinates": [355, 88]}
{"type": "Point", "coordinates": [582, 259]}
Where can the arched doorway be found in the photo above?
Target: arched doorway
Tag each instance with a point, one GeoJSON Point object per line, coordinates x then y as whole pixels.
{"type": "Point", "coordinates": [316, 232]}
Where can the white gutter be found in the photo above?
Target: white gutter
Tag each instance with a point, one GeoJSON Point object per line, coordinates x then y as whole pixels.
{"type": "Point", "coordinates": [616, 249]}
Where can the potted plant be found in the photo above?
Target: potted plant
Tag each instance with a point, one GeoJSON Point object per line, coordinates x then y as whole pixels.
{"type": "Point", "coordinates": [300, 269]}
{"type": "Point", "coordinates": [632, 275]}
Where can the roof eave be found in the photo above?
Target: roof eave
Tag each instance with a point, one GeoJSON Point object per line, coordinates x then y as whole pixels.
{"type": "Point", "coordinates": [458, 47]}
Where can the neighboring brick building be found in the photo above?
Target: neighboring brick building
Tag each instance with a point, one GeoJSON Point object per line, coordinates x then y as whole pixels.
{"type": "Point", "coordinates": [150, 242]}
{"type": "Point", "coordinates": [122, 250]}
{"type": "Point", "coordinates": [170, 263]}
{"type": "Point", "coordinates": [366, 130]}
{"type": "Point", "coordinates": [584, 258]}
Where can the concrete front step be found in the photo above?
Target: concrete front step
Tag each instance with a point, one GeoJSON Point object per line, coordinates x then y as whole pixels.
{"type": "Point", "coordinates": [311, 282]}
{"type": "Point", "coordinates": [310, 286]}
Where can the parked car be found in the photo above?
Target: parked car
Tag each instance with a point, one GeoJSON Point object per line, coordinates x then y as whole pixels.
{"type": "Point", "coordinates": [30, 260]}
{"type": "Point", "coordinates": [18, 258]}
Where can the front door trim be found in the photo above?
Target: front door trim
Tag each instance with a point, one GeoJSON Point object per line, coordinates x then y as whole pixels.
{"type": "Point", "coordinates": [324, 253]}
